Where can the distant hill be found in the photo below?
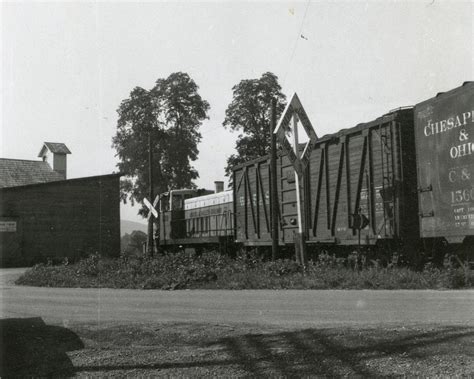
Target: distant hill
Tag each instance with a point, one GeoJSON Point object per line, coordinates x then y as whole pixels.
{"type": "Point", "coordinates": [127, 227]}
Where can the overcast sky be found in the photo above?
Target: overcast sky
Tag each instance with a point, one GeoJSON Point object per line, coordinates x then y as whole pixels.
{"type": "Point", "coordinates": [67, 66]}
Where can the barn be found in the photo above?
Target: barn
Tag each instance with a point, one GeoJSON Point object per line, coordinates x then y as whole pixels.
{"type": "Point", "coordinates": [45, 216]}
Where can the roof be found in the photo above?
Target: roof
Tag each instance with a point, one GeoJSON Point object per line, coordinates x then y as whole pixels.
{"type": "Point", "coordinates": [55, 147]}
{"type": "Point", "coordinates": [62, 182]}
{"type": "Point", "coordinates": [18, 172]}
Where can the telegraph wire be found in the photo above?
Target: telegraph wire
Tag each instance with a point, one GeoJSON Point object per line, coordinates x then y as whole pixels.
{"type": "Point", "coordinates": [298, 36]}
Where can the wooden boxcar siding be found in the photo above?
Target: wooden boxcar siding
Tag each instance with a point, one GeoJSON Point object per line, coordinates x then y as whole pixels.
{"type": "Point", "coordinates": [287, 198]}
{"type": "Point", "coordinates": [360, 169]}
{"type": "Point", "coordinates": [69, 218]}
{"type": "Point", "coordinates": [252, 202]}
{"type": "Point", "coordinates": [348, 171]}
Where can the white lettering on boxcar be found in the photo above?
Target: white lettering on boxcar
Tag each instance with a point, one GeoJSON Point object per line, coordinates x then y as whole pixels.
{"type": "Point", "coordinates": [442, 126]}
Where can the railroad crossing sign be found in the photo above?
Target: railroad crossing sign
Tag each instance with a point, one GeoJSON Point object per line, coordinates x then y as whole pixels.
{"type": "Point", "coordinates": [293, 110]}
{"type": "Point", "coordinates": [150, 207]}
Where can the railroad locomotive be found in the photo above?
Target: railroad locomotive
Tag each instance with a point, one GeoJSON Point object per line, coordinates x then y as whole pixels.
{"type": "Point", "coordinates": [402, 182]}
{"type": "Point", "coordinates": [196, 217]}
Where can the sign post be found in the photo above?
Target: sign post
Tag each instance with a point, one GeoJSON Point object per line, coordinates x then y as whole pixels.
{"type": "Point", "coordinates": [151, 249]}
{"type": "Point", "coordinates": [153, 212]}
{"type": "Point", "coordinates": [300, 237]}
{"type": "Point", "coordinates": [293, 112]}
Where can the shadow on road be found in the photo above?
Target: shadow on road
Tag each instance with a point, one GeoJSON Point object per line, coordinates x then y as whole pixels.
{"type": "Point", "coordinates": [327, 352]}
{"type": "Point", "coordinates": [29, 347]}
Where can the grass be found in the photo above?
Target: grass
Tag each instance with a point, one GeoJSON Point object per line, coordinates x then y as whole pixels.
{"type": "Point", "coordinates": [212, 270]}
{"type": "Point", "coordinates": [32, 348]}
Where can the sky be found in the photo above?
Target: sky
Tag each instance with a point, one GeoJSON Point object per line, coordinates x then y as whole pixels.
{"type": "Point", "coordinates": [66, 66]}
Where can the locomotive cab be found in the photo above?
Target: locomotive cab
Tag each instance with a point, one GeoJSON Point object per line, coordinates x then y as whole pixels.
{"type": "Point", "coordinates": [172, 225]}
{"type": "Point", "coordinates": [191, 218]}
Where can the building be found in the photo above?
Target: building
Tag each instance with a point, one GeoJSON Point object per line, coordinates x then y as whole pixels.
{"type": "Point", "coordinates": [45, 216]}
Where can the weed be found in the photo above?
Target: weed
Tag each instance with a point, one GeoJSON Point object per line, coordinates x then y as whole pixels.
{"type": "Point", "coordinates": [247, 271]}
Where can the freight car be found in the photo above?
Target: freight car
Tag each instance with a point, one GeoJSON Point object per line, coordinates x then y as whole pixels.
{"type": "Point", "coordinates": [402, 182]}
{"type": "Point", "coordinates": [445, 169]}
{"type": "Point", "coordinates": [366, 172]}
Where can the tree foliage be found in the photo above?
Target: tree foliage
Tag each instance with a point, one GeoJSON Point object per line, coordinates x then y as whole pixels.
{"type": "Point", "coordinates": [171, 113]}
{"type": "Point", "coordinates": [250, 113]}
{"type": "Point", "coordinates": [132, 243]}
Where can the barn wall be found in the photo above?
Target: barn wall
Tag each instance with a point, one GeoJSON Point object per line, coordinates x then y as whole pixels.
{"type": "Point", "coordinates": [70, 218]}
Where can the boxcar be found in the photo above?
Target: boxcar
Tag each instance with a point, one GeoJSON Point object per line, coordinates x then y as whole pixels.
{"type": "Point", "coordinates": [368, 170]}
{"type": "Point", "coordinates": [252, 203]}
{"type": "Point", "coordinates": [445, 162]}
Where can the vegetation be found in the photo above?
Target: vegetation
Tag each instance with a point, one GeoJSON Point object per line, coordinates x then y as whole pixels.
{"type": "Point", "coordinates": [171, 114]}
{"type": "Point", "coordinates": [132, 244]}
{"type": "Point", "coordinates": [250, 113]}
{"type": "Point", "coordinates": [211, 270]}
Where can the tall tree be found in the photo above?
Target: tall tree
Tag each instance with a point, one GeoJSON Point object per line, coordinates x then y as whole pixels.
{"type": "Point", "coordinates": [171, 112]}
{"type": "Point", "coordinates": [250, 113]}
{"type": "Point", "coordinates": [183, 112]}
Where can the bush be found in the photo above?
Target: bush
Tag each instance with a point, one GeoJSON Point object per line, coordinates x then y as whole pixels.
{"type": "Point", "coordinates": [248, 270]}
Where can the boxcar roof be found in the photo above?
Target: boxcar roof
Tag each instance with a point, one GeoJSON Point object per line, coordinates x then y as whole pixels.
{"type": "Point", "coordinates": [327, 137]}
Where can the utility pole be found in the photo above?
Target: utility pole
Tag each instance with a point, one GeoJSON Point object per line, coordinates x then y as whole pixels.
{"type": "Point", "coordinates": [151, 194]}
{"type": "Point", "coordinates": [273, 185]}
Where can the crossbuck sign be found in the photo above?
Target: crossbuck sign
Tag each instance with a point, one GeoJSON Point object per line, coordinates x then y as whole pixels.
{"type": "Point", "coordinates": [294, 110]}
{"type": "Point", "coordinates": [151, 207]}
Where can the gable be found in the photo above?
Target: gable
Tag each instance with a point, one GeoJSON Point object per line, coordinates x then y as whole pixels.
{"type": "Point", "coordinates": [55, 148]}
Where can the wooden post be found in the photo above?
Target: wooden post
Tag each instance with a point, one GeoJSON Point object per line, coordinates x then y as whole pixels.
{"type": "Point", "coordinates": [150, 219]}
{"type": "Point", "coordinates": [273, 186]}
{"type": "Point", "coordinates": [300, 246]}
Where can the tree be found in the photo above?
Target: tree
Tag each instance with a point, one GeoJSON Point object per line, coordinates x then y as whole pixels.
{"type": "Point", "coordinates": [183, 112]}
{"type": "Point", "coordinates": [171, 113]}
{"type": "Point", "coordinates": [250, 113]}
{"type": "Point", "coordinates": [132, 244]}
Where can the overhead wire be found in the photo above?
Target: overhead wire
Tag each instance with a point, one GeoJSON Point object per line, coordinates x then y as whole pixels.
{"type": "Point", "coordinates": [298, 36]}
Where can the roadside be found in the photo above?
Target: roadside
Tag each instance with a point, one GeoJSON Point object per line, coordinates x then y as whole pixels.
{"type": "Point", "coordinates": [234, 350]}
{"type": "Point", "coordinates": [8, 276]}
{"type": "Point", "coordinates": [96, 332]}
{"type": "Point", "coordinates": [212, 270]}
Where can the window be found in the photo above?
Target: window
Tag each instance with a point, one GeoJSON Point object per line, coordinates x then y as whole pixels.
{"type": "Point", "coordinates": [177, 202]}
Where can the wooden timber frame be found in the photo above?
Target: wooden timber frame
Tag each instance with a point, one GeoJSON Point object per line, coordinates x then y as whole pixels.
{"type": "Point", "coordinates": [252, 203]}
{"type": "Point", "coordinates": [368, 169]}
{"type": "Point", "coordinates": [359, 171]}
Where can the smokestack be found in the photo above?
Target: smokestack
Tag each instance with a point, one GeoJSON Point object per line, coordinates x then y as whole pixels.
{"type": "Point", "coordinates": [219, 186]}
